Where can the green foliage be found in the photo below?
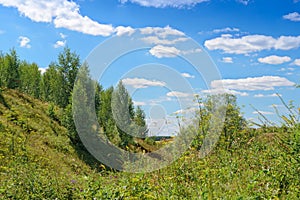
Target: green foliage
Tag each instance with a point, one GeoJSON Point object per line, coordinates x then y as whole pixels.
{"type": "Point", "coordinates": [9, 70]}
{"type": "Point", "coordinates": [37, 161]}
{"type": "Point", "coordinates": [122, 110]}
{"type": "Point", "coordinates": [52, 86]}
{"type": "Point", "coordinates": [150, 140]}
{"type": "Point", "coordinates": [219, 105]}
{"type": "Point", "coordinates": [67, 66]}
{"type": "Point", "coordinates": [140, 126]}
{"type": "Point", "coordinates": [58, 81]}
{"type": "Point", "coordinates": [30, 79]}
{"type": "Point", "coordinates": [41, 156]}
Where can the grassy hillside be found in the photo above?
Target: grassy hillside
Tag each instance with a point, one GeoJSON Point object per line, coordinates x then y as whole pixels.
{"type": "Point", "coordinates": [36, 154]}
{"type": "Point", "coordinates": [38, 161]}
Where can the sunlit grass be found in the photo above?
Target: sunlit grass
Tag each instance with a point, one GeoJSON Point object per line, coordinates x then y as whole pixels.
{"type": "Point", "coordinates": [38, 161]}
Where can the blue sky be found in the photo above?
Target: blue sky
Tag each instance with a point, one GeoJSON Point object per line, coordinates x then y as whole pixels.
{"type": "Point", "coordinates": [255, 44]}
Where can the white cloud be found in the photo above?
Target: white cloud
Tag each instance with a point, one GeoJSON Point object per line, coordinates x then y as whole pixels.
{"type": "Point", "coordinates": [185, 52]}
{"type": "Point", "coordinates": [42, 70]}
{"type": "Point", "coordinates": [160, 51]}
{"type": "Point", "coordinates": [164, 38]}
{"type": "Point", "coordinates": [263, 112]}
{"type": "Point", "coordinates": [142, 83]}
{"type": "Point", "coordinates": [292, 16]}
{"type": "Point", "coordinates": [184, 111]}
{"type": "Point", "coordinates": [251, 84]}
{"type": "Point", "coordinates": [158, 101]}
{"type": "Point", "coordinates": [287, 42]}
{"type": "Point", "coordinates": [121, 30]}
{"type": "Point", "coordinates": [226, 30]}
{"type": "Point", "coordinates": [187, 75]}
{"type": "Point", "coordinates": [266, 95]}
{"type": "Point", "coordinates": [274, 60]}
{"type": "Point", "coordinates": [60, 43]}
{"type": "Point", "coordinates": [252, 43]}
{"type": "Point", "coordinates": [63, 13]}
{"type": "Point", "coordinates": [166, 3]}
{"type": "Point", "coordinates": [63, 36]}
{"type": "Point", "coordinates": [161, 32]}
{"type": "Point", "coordinates": [178, 94]}
{"type": "Point", "coordinates": [24, 42]}
{"type": "Point", "coordinates": [224, 91]}
{"type": "Point", "coordinates": [139, 103]}
{"type": "Point", "coordinates": [156, 40]}
{"type": "Point", "coordinates": [2, 31]}
{"type": "Point", "coordinates": [227, 60]}
{"type": "Point", "coordinates": [296, 62]}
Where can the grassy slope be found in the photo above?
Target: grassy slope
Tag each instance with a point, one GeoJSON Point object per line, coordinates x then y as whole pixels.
{"type": "Point", "coordinates": [38, 161]}
{"type": "Point", "coordinates": [35, 151]}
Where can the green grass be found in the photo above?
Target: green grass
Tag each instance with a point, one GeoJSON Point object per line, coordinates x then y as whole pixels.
{"type": "Point", "coordinates": [38, 161]}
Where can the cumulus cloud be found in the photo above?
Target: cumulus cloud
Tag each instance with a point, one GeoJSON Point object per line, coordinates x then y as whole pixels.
{"type": "Point", "coordinates": [121, 30]}
{"type": "Point", "coordinates": [156, 40]}
{"type": "Point", "coordinates": [178, 94]}
{"type": "Point", "coordinates": [142, 83]}
{"type": "Point", "coordinates": [139, 103]}
{"type": "Point", "coordinates": [166, 3]}
{"type": "Point", "coordinates": [24, 42]}
{"type": "Point", "coordinates": [160, 51]}
{"type": "Point", "coordinates": [226, 30]}
{"type": "Point", "coordinates": [187, 75]}
{"type": "Point", "coordinates": [161, 32]}
{"type": "Point", "coordinates": [191, 51]}
{"type": "Point", "coordinates": [224, 91]}
{"type": "Point", "coordinates": [164, 39]}
{"type": "Point", "coordinates": [63, 36]}
{"type": "Point", "coordinates": [266, 95]}
{"type": "Point", "coordinates": [62, 13]}
{"type": "Point", "coordinates": [296, 62]}
{"type": "Point", "coordinates": [292, 16]}
{"type": "Point", "coordinates": [251, 84]}
{"type": "Point", "coordinates": [227, 60]}
{"type": "Point", "coordinates": [252, 43]}
{"type": "Point", "coordinates": [274, 60]}
{"type": "Point", "coordinates": [60, 43]}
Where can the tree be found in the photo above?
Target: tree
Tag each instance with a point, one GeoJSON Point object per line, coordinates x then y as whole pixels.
{"type": "Point", "coordinates": [210, 113]}
{"type": "Point", "coordinates": [2, 70]}
{"type": "Point", "coordinates": [52, 86]}
{"type": "Point", "coordinates": [105, 112]}
{"type": "Point", "coordinates": [140, 123]}
{"type": "Point", "coordinates": [82, 105]}
{"type": "Point", "coordinates": [9, 70]}
{"type": "Point", "coordinates": [30, 78]}
{"type": "Point", "coordinates": [122, 113]}
{"type": "Point", "coordinates": [98, 92]}
{"type": "Point", "coordinates": [68, 65]}
{"type": "Point", "coordinates": [234, 121]}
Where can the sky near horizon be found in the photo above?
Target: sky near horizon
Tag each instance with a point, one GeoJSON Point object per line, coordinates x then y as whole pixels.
{"type": "Point", "coordinates": [255, 44]}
